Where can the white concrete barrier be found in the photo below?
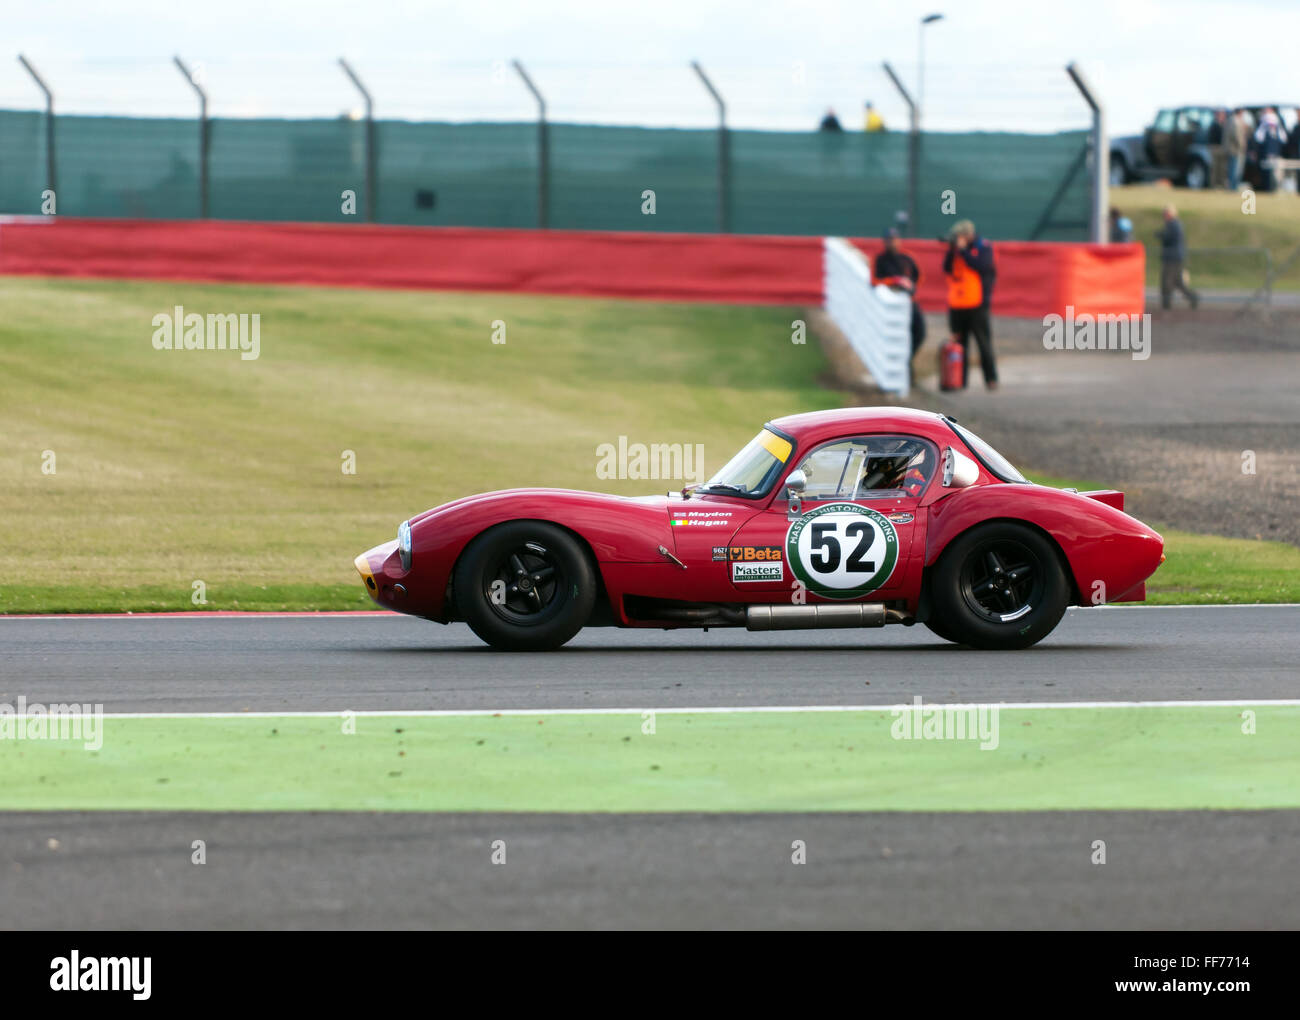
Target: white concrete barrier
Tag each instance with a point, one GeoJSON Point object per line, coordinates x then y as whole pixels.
{"type": "Point", "coordinates": [877, 320]}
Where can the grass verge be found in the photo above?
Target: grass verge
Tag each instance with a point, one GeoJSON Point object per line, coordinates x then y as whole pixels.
{"type": "Point", "coordinates": [1215, 219]}
{"type": "Point", "coordinates": [130, 474]}
{"type": "Point", "coordinates": [127, 473]}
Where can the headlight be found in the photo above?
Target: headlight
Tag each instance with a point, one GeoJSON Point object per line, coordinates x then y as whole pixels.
{"type": "Point", "coordinates": [404, 544]}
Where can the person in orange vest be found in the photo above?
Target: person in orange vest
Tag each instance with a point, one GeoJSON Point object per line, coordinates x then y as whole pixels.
{"type": "Point", "coordinates": [971, 273]}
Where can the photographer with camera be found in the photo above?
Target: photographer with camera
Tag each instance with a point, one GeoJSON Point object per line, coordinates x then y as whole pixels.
{"type": "Point", "coordinates": [969, 267]}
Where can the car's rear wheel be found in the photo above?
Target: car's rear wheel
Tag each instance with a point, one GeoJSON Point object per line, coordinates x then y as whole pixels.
{"type": "Point", "coordinates": [939, 629]}
{"type": "Point", "coordinates": [525, 586]}
{"type": "Point", "coordinates": [999, 586]}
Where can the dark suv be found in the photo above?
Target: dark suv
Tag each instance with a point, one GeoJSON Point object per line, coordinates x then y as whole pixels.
{"type": "Point", "coordinates": [1176, 146]}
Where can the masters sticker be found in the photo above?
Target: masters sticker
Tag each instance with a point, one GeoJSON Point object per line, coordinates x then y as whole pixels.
{"type": "Point", "coordinates": [842, 550]}
{"type": "Point", "coordinates": [741, 571]}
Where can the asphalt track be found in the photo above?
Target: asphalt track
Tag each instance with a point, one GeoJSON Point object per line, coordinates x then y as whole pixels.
{"type": "Point", "coordinates": [267, 664]}
{"type": "Point", "coordinates": [1164, 870]}
{"type": "Point", "coordinates": [1203, 870]}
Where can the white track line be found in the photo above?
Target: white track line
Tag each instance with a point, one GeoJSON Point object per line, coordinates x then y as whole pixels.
{"type": "Point", "coordinates": [709, 710]}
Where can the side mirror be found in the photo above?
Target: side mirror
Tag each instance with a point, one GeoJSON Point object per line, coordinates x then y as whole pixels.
{"type": "Point", "coordinates": [959, 471]}
{"type": "Point", "coordinates": [794, 487]}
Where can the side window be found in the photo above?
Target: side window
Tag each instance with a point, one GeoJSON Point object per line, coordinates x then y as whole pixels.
{"type": "Point", "coordinates": [1164, 120]}
{"type": "Point", "coordinates": [869, 467]}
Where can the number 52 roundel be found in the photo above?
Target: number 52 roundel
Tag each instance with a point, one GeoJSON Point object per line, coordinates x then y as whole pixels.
{"type": "Point", "coordinates": [842, 550]}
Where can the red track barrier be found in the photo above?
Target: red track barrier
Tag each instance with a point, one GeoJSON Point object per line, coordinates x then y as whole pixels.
{"type": "Point", "coordinates": [1037, 278]}
{"type": "Point", "coordinates": [1033, 279]}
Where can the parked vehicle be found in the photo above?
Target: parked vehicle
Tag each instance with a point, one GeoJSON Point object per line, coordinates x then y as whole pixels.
{"type": "Point", "coordinates": [1177, 146]}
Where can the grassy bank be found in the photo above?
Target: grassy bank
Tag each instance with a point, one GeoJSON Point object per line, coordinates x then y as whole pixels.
{"type": "Point", "coordinates": [176, 467]}
{"type": "Point", "coordinates": [128, 474]}
{"type": "Point", "coordinates": [1215, 219]}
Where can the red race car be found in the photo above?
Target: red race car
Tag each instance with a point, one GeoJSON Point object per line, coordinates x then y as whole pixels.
{"type": "Point", "coordinates": [848, 518]}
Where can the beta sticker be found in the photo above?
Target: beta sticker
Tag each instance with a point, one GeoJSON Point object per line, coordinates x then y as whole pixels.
{"type": "Point", "coordinates": [842, 550]}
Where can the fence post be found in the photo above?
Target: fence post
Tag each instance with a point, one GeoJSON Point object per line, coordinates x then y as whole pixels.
{"type": "Point", "coordinates": [203, 136]}
{"type": "Point", "coordinates": [1097, 227]}
{"type": "Point", "coordinates": [51, 180]}
{"type": "Point", "coordinates": [724, 153]}
{"type": "Point", "coordinates": [370, 139]}
{"type": "Point", "coordinates": [543, 152]}
{"type": "Point", "coordinates": [913, 147]}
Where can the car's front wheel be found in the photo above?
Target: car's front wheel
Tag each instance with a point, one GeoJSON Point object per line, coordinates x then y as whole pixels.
{"type": "Point", "coordinates": [999, 586]}
{"type": "Point", "coordinates": [525, 586]}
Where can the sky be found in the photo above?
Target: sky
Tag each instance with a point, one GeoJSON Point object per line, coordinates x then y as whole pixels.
{"type": "Point", "coordinates": [779, 64]}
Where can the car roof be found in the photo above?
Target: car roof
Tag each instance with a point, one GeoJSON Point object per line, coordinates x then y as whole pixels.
{"type": "Point", "coordinates": [818, 426]}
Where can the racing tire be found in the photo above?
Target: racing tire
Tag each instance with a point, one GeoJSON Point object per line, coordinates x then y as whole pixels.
{"type": "Point", "coordinates": [525, 586]}
{"type": "Point", "coordinates": [999, 586]}
{"type": "Point", "coordinates": [941, 630]}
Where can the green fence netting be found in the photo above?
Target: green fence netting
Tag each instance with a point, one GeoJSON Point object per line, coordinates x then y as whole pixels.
{"type": "Point", "coordinates": [1011, 185]}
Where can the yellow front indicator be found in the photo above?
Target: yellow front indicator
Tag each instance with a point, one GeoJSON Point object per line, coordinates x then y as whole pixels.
{"type": "Point", "coordinates": [363, 568]}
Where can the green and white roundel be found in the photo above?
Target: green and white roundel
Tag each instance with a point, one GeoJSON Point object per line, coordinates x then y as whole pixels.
{"type": "Point", "coordinates": [842, 550]}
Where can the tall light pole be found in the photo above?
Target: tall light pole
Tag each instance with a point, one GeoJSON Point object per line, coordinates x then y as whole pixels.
{"type": "Point", "coordinates": [929, 19]}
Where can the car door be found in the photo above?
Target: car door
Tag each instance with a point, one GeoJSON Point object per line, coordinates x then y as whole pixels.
{"type": "Point", "coordinates": [854, 528]}
{"type": "Point", "coordinates": [1160, 139]}
{"type": "Point", "coordinates": [1192, 129]}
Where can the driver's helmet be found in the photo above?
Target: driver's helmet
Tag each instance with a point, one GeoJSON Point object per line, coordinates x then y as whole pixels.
{"type": "Point", "coordinates": [895, 471]}
{"type": "Point", "coordinates": [885, 472]}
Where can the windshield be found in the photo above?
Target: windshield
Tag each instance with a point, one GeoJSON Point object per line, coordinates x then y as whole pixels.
{"type": "Point", "coordinates": [755, 469]}
{"type": "Point", "coordinates": [988, 456]}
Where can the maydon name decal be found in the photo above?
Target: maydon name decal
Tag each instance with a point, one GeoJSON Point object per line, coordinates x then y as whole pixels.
{"type": "Point", "coordinates": [842, 550]}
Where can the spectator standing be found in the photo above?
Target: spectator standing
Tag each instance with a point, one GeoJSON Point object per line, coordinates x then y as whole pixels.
{"type": "Point", "coordinates": [1292, 148]}
{"type": "Point", "coordinates": [1270, 139]}
{"type": "Point", "coordinates": [1217, 141]}
{"type": "Point", "coordinates": [896, 268]}
{"type": "Point", "coordinates": [830, 122]}
{"type": "Point", "coordinates": [971, 273]}
{"type": "Point", "coordinates": [1234, 145]}
{"type": "Point", "coordinates": [1173, 258]}
{"type": "Point", "coordinates": [872, 120]}
{"type": "Point", "coordinates": [1121, 227]}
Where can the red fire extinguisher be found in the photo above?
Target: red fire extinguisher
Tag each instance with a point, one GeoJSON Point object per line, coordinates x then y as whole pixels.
{"type": "Point", "coordinates": [951, 360]}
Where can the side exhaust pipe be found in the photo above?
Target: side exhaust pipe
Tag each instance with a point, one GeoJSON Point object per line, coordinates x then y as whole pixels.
{"type": "Point", "coordinates": [782, 617]}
